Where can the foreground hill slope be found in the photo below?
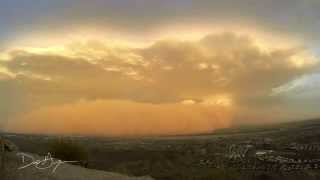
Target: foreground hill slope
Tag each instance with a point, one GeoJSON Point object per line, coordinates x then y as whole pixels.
{"type": "Point", "coordinates": [64, 172]}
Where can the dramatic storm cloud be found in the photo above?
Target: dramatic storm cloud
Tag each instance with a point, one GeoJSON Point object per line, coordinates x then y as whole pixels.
{"type": "Point", "coordinates": [156, 67]}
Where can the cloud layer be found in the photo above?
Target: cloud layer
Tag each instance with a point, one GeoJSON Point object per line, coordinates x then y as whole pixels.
{"type": "Point", "coordinates": [178, 86]}
{"type": "Point", "coordinates": [123, 118]}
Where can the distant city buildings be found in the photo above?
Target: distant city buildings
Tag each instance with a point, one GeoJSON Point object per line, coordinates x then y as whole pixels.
{"type": "Point", "coordinates": [264, 155]}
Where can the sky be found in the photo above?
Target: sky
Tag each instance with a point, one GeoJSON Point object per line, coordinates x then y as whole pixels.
{"type": "Point", "coordinates": [151, 67]}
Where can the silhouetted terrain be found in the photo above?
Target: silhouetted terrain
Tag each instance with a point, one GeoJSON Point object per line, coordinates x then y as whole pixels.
{"type": "Point", "coordinates": [282, 151]}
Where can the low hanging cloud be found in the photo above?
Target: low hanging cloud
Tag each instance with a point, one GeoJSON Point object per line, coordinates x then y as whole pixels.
{"type": "Point", "coordinates": [123, 118]}
{"type": "Point", "coordinates": [169, 87]}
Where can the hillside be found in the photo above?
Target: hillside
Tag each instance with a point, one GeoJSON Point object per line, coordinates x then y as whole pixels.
{"type": "Point", "coordinates": [64, 172]}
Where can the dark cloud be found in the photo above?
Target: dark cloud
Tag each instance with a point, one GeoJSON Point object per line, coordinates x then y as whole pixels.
{"type": "Point", "coordinates": [141, 17]}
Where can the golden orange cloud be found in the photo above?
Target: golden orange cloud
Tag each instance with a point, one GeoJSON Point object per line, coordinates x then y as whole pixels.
{"type": "Point", "coordinates": [166, 87]}
{"type": "Point", "coordinates": [123, 118]}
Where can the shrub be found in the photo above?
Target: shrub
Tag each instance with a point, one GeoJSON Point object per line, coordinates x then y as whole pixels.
{"type": "Point", "coordinates": [68, 150]}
